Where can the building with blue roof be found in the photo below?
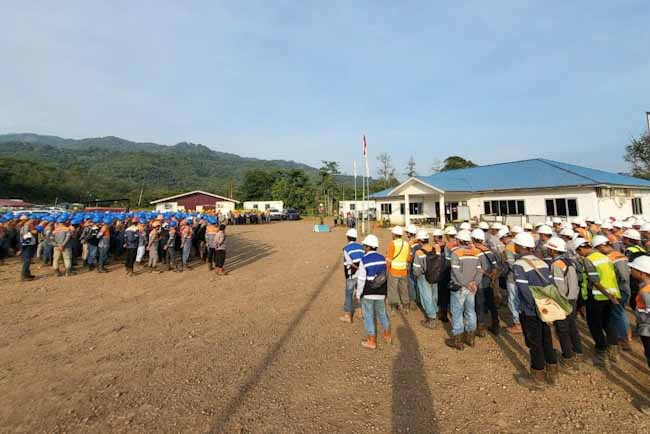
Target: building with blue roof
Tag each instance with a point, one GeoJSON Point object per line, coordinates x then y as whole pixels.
{"type": "Point", "coordinates": [515, 192]}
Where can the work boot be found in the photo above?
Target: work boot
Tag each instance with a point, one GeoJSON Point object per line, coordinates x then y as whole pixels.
{"type": "Point", "coordinates": [388, 337]}
{"type": "Point", "coordinates": [469, 338]}
{"type": "Point", "coordinates": [358, 313]}
{"type": "Point", "coordinates": [455, 342]}
{"type": "Point", "coordinates": [370, 343]}
{"type": "Point", "coordinates": [515, 329]}
{"type": "Point", "coordinates": [624, 344]}
{"type": "Point", "coordinates": [495, 328]}
{"type": "Point", "coordinates": [27, 278]}
{"type": "Point", "coordinates": [600, 359]}
{"type": "Point", "coordinates": [612, 353]}
{"type": "Point", "coordinates": [346, 317]}
{"type": "Point", "coordinates": [413, 305]}
{"type": "Point", "coordinates": [67, 273]}
{"type": "Point", "coordinates": [58, 273]}
{"type": "Point", "coordinates": [535, 380]}
{"type": "Point", "coordinates": [480, 331]}
{"type": "Point", "coordinates": [405, 309]}
{"type": "Point", "coordinates": [211, 266]}
{"type": "Point", "coordinates": [429, 323]}
{"type": "Point", "coordinates": [443, 316]}
{"type": "Point", "coordinates": [552, 374]}
{"type": "Point", "coordinates": [90, 267]}
{"type": "Point", "coordinates": [570, 365]}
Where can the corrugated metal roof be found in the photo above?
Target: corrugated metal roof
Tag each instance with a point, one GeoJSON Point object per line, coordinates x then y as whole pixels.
{"type": "Point", "coordinates": [383, 193]}
{"type": "Point", "coordinates": [525, 174]}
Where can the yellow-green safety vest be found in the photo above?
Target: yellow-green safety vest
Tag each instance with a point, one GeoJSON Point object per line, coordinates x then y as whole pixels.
{"type": "Point", "coordinates": [607, 275]}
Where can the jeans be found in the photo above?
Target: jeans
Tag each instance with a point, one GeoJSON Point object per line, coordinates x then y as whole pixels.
{"type": "Point", "coordinates": [185, 255]}
{"type": "Point", "coordinates": [349, 303]}
{"type": "Point", "coordinates": [428, 296]}
{"type": "Point", "coordinates": [413, 287]}
{"type": "Point", "coordinates": [103, 255]}
{"type": "Point", "coordinates": [618, 316]}
{"type": "Point", "coordinates": [513, 301]}
{"type": "Point", "coordinates": [26, 254]}
{"type": "Point", "coordinates": [91, 254]}
{"type": "Point", "coordinates": [370, 307]}
{"type": "Point", "coordinates": [463, 313]}
{"type": "Point", "coordinates": [537, 335]}
{"type": "Point", "coordinates": [601, 327]}
{"type": "Point", "coordinates": [47, 254]}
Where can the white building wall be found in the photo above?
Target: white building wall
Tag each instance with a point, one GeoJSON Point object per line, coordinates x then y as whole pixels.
{"type": "Point", "coordinates": [167, 207]}
{"type": "Point", "coordinates": [264, 204]}
{"type": "Point", "coordinates": [359, 205]}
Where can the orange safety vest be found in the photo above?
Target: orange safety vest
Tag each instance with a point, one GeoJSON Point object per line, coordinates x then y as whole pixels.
{"type": "Point", "coordinates": [397, 257]}
{"type": "Point", "coordinates": [640, 305]}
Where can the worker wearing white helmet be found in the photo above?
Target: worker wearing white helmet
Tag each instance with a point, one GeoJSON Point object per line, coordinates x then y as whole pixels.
{"type": "Point", "coordinates": [397, 258]}
{"type": "Point", "coordinates": [484, 298]}
{"type": "Point", "coordinates": [444, 294]}
{"type": "Point", "coordinates": [492, 239]}
{"type": "Point", "coordinates": [568, 235]}
{"type": "Point", "coordinates": [556, 224]}
{"type": "Point", "coordinates": [352, 254]}
{"type": "Point", "coordinates": [565, 278]}
{"type": "Point", "coordinates": [465, 280]}
{"type": "Point", "coordinates": [641, 273]}
{"type": "Point", "coordinates": [528, 227]}
{"type": "Point", "coordinates": [484, 226]}
{"type": "Point", "coordinates": [633, 248]}
{"type": "Point", "coordinates": [600, 295]}
{"type": "Point", "coordinates": [544, 234]}
{"type": "Point", "coordinates": [428, 266]}
{"type": "Point", "coordinates": [644, 230]}
{"type": "Point", "coordinates": [371, 292]}
{"type": "Point", "coordinates": [465, 226]}
{"type": "Point", "coordinates": [508, 258]}
{"type": "Point", "coordinates": [411, 233]}
{"type": "Point", "coordinates": [621, 265]}
{"type": "Point", "coordinates": [594, 228]}
{"type": "Point", "coordinates": [532, 271]}
{"type": "Point", "coordinates": [516, 229]}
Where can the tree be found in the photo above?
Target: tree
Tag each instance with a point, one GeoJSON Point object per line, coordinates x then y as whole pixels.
{"type": "Point", "coordinates": [637, 153]}
{"type": "Point", "coordinates": [455, 162]}
{"type": "Point", "coordinates": [410, 167]}
{"type": "Point", "coordinates": [257, 185]}
{"type": "Point", "coordinates": [294, 189]}
{"type": "Point", "coordinates": [386, 170]}
{"type": "Point", "coordinates": [327, 174]}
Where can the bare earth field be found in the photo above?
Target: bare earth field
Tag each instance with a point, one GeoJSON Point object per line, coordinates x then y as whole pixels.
{"type": "Point", "coordinates": [262, 351]}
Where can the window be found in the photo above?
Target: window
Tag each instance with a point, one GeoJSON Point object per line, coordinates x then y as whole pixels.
{"type": "Point", "coordinates": [387, 208]}
{"type": "Point", "coordinates": [636, 206]}
{"type": "Point", "coordinates": [562, 207]}
{"type": "Point", "coordinates": [266, 206]}
{"type": "Point", "coordinates": [255, 206]}
{"type": "Point", "coordinates": [504, 207]}
{"type": "Point", "coordinates": [402, 207]}
{"type": "Point", "coordinates": [415, 208]}
{"type": "Point", "coordinates": [353, 207]}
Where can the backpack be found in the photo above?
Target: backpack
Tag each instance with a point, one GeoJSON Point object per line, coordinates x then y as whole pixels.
{"type": "Point", "coordinates": [435, 266]}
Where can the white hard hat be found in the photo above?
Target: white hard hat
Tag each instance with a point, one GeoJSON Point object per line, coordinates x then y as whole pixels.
{"type": "Point", "coordinates": [632, 234]}
{"type": "Point", "coordinates": [618, 224]}
{"type": "Point", "coordinates": [583, 224]}
{"type": "Point", "coordinates": [464, 235]}
{"type": "Point", "coordinates": [412, 229]}
{"type": "Point", "coordinates": [645, 227]}
{"type": "Point", "coordinates": [590, 219]}
{"type": "Point", "coordinates": [524, 239]}
{"type": "Point", "coordinates": [423, 235]}
{"type": "Point", "coordinates": [546, 230]}
{"type": "Point", "coordinates": [547, 222]}
{"type": "Point", "coordinates": [484, 226]}
{"type": "Point", "coordinates": [397, 230]}
{"type": "Point", "coordinates": [631, 220]}
{"type": "Point", "coordinates": [496, 225]}
{"type": "Point", "coordinates": [598, 221]}
{"type": "Point", "coordinates": [478, 234]}
{"type": "Point", "coordinates": [438, 233]}
{"type": "Point", "coordinates": [566, 225]}
{"type": "Point", "coordinates": [450, 230]}
{"type": "Point", "coordinates": [557, 220]}
{"type": "Point", "coordinates": [371, 241]}
{"type": "Point", "coordinates": [503, 232]}
{"type": "Point", "coordinates": [516, 229]}
{"type": "Point", "coordinates": [627, 225]}
{"type": "Point", "coordinates": [576, 221]}
{"type": "Point", "coordinates": [529, 226]}
{"type": "Point", "coordinates": [566, 232]}
{"type": "Point", "coordinates": [352, 233]}
{"type": "Point", "coordinates": [577, 242]}
{"type": "Point", "coordinates": [557, 244]}
{"type": "Point", "coordinates": [642, 264]}
{"type": "Point", "coordinates": [607, 225]}
{"type": "Point", "coordinates": [599, 240]}
{"type": "Point", "coordinates": [464, 226]}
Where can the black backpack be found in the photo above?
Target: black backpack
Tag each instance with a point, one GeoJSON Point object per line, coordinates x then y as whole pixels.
{"type": "Point", "coordinates": [435, 266]}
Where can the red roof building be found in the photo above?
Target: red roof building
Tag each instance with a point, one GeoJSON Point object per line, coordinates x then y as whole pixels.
{"type": "Point", "coordinates": [14, 203]}
{"type": "Point", "coordinates": [195, 201]}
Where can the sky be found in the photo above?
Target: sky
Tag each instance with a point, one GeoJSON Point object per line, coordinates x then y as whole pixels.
{"type": "Point", "coordinates": [491, 81]}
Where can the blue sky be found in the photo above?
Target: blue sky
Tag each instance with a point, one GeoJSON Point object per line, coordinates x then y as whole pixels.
{"type": "Point", "coordinates": [488, 80]}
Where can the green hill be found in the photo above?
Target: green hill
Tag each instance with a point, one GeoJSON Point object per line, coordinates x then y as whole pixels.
{"type": "Point", "coordinates": [41, 168]}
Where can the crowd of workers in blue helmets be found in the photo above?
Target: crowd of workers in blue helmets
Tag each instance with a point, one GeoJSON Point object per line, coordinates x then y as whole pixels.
{"type": "Point", "coordinates": [147, 240]}
{"type": "Point", "coordinates": [546, 274]}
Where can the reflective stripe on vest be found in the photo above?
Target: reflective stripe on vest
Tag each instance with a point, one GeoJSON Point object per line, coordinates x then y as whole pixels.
{"type": "Point", "coordinates": [373, 263]}
{"type": "Point", "coordinates": [355, 251]}
{"type": "Point", "coordinates": [607, 276]}
{"type": "Point", "coordinates": [399, 262]}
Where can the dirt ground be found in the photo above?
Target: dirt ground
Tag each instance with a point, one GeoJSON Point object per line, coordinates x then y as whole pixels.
{"type": "Point", "coordinates": [262, 351]}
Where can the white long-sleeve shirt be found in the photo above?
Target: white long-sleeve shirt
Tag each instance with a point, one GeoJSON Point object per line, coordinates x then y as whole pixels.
{"type": "Point", "coordinates": [361, 282]}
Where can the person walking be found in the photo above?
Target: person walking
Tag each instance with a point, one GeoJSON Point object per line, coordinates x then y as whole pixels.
{"type": "Point", "coordinates": [220, 251]}
{"type": "Point", "coordinates": [397, 263]}
{"type": "Point", "coordinates": [27, 245]}
{"type": "Point", "coordinates": [599, 292]}
{"type": "Point", "coordinates": [352, 254]}
{"type": "Point", "coordinates": [465, 279]}
{"type": "Point", "coordinates": [131, 242]}
{"type": "Point", "coordinates": [529, 271]}
{"type": "Point", "coordinates": [428, 265]}
{"type": "Point", "coordinates": [371, 292]}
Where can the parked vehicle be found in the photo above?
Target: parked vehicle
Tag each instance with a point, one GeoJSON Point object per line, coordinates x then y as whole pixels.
{"type": "Point", "coordinates": [275, 214]}
{"type": "Point", "coordinates": [292, 214]}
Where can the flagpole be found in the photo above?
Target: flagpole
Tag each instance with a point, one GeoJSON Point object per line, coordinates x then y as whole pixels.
{"type": "Point", "coordinates": [354, 164]}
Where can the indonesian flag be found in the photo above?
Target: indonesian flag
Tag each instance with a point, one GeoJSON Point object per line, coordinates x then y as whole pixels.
{"type": "Point", "coordinates": [365, 146]}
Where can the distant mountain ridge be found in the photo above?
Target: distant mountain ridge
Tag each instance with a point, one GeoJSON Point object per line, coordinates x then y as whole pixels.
{"type": "Point", "coordinates": [76, 170]}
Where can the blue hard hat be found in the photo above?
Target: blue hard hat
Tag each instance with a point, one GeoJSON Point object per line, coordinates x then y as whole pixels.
{"type": "Point", "coordinates": [60, 219]}
{"type": "Point", "coordinates": [107, 221]}
{"type": "Point", "coordinates": [173, 224]}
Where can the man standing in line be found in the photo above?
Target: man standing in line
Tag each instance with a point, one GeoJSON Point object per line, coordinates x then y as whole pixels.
{"type": "Point", "coordinates": [352, 254]}
{"type": "Point", "coordinates": [62, 250]}
{"type": "Point", "coordinates": [104, 244]}
{"type": "Point", "coordinates": [426, 258]}
{"type": "Point", "coordinates": [411, 235]}
{"type": "Point", "coordinates": [27, 246]}
{"type": "Point", "coordinates": [485, 294]}
{"type": "Point", "coordinates": [220, 254]}
{"type": "Point", "coordinates": [397, 263]}
{"type": "Point", "coordinates": [186, 243]}
{"type": "Point", "coordinates": [131, 242]}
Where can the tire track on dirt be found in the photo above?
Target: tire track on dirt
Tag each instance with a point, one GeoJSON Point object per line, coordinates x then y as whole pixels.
{"type": "Point", "coordinates": [245, 389]}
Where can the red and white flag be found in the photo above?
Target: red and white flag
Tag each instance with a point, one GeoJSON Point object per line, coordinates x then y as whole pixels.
{"type": "Point", "coordinates": [365, 146]}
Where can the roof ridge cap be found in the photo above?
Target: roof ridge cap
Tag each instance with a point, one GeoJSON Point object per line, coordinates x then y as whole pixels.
{"type": "Point", "coordinates": [554, 164]}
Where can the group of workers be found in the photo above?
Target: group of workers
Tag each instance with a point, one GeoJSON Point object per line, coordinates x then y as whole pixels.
{"type": "Point", "coordinates": [458, 274]}
{"type": "Point", "coordinates": [147, 240]}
